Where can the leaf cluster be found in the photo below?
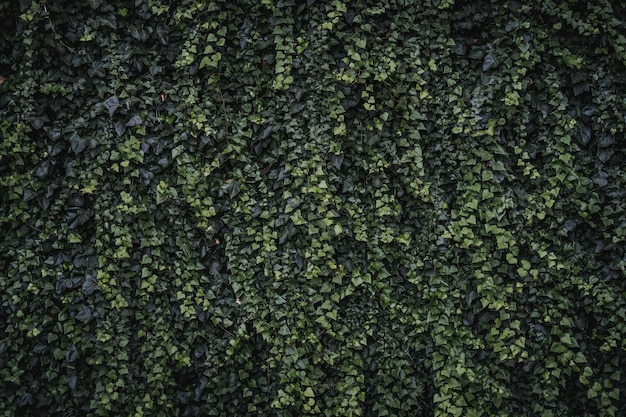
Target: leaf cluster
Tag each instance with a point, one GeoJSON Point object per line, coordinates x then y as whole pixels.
{"type": "Point", "coordinates": [289, 208]}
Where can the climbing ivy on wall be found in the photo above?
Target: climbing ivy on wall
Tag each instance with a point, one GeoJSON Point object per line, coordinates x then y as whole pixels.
{"type": "Point", "coordinates": [320, 207]}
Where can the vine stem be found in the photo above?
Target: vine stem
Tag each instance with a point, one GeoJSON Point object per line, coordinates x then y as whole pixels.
{"type": "Point", "coordinates": [57, 36]}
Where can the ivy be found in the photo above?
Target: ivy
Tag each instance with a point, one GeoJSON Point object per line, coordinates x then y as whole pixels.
{"type": "Point", "coordinates": [312, 208]}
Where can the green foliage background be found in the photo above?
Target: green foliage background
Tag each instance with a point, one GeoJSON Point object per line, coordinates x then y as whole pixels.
{"type": "Point", "coordinates": [355, 208]}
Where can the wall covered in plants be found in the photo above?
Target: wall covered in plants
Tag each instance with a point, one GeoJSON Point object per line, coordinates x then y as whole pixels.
{"type": "Point", "coordinates": [337, 208]}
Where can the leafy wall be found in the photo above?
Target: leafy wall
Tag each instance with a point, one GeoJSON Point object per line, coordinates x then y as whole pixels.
{"type": "Point", "coordinates": [355, 208]}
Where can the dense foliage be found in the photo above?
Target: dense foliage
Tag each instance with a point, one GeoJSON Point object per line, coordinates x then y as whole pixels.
{"type": "Point", "coordinates": [339, 208]}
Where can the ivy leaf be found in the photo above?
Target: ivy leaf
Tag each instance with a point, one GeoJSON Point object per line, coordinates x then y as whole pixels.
{"type": "Point", "coordinates": [459, 48]}
{"type": "Point", "coordinates": [39, 122]}
{"type": "Point", "coordinates": [233, 189]}
{"type": "Point", "coordinates": [604, 154]}
{"type": "Point", "coordinates": [72, 354]}
{"type": "Point", "coordinates": [134, 121]}
{"type": "Point", "coordinates": [267, 131]}
{"type": "Point", "coordinates": [85, 315]}
{"type": "Point", "coordinates": [71, 381]}
{"type": "Point", "coordinates": [90, 285]}
{"type": "Point", "coordinates": [337, 160]}
{"type": "Point", "coordinates": [601, 178]}
{"type": "Point", "coordinates": [43, 169]}
{"type": "Point", "coordinates": [296, 107]}
{"type": "Point", "coordinates": [488, 62]}
{"type": "Point", "coordinates": [111, 105]}
{"type": "Point", "coordinates": [584, 135]}
{"type": "Point", "coordinates": [77, 143]}
{"type": "Point", "coordinates": [119, 128]}
{"type": "Point", "coordinates": [29, 194]}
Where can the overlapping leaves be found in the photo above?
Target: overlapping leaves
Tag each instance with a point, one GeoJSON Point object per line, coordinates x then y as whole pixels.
{"type": "Point", "coordinates": [320, 207]}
